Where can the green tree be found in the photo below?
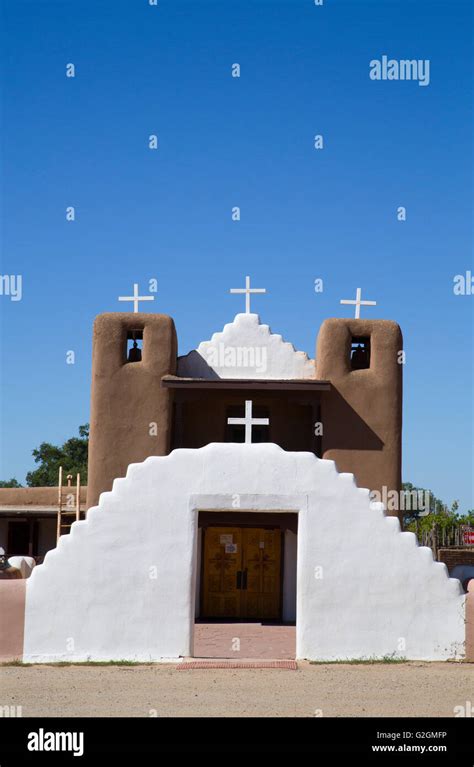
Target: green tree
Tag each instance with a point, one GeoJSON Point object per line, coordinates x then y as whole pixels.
{"type": "Point", "coordinates": [10, 483]}
{"type": "Point", "coordinates": [72, 456]}
{"type": "Point", "coordinates": [469, 517]}
{"type": "Point", "coordinates": [440, 515]}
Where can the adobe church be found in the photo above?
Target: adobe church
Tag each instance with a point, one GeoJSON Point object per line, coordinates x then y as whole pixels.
{"type": "Point", "coordinates": [346, 406]}
{"type": "Point", "coordinates": [237, 481]}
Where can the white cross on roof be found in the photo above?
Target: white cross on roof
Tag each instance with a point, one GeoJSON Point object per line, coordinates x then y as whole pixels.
{"type": "Point", "coordinates": [247, 290]}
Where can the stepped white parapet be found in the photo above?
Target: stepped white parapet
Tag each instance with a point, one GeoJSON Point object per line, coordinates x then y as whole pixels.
{"type": "Point", "coordinates": [246, 349]}
{"type": "Point", "coordinates": [122, 584]}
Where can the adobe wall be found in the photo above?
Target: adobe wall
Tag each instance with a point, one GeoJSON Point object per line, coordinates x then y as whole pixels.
{"type": "Point", "coordinates": [400, 603]}
{"type": "Point", "coordinates": [362, 415]}
{"type": "Point", "coordinates": [452, 557]}
{"type": "Point", "coordinates": [12, 624]}
{"type": "Point", "coordinates": [36, 496]}
{"type": "Point", "coordinates": [127, 397]}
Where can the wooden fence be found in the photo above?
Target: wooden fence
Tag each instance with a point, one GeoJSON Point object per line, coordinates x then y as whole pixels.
{"type": "Point", "coordinates": [445, 537]}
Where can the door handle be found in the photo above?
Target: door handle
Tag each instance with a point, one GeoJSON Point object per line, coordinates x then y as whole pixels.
{"type": "Point", "coordinates": [239, 579]}
{"type": "Point", "coordinates": [244, 580]}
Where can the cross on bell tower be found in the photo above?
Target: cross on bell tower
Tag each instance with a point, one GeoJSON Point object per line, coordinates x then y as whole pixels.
{"type": "Point", "coordinates": [136, 298]}
{"type": "Point", "coordinates": [358, 302]}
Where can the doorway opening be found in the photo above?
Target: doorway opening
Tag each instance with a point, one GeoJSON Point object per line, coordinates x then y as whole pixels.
{"type": "Point", "coordinates": [246, 585]}
{"type": "Point", "coordinates": [22, 537]}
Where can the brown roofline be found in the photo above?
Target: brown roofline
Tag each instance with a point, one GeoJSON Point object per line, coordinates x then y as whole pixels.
{"type": "Point", "coordinates": [301, 384]}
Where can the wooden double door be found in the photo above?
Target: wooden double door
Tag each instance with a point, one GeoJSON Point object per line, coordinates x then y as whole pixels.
{"type": "Point", "coordinates": [241, 573]}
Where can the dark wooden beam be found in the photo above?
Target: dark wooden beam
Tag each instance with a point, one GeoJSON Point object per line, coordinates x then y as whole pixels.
{"type": "Point", "coordinates": [310, 384]}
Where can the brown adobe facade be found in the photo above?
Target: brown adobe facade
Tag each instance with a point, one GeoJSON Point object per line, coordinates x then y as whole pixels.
{"type": "Point", "coordinates": [346, 412]}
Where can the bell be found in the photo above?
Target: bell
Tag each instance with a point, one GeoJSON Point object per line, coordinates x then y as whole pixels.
{"type": "Point", "coordinates": [360, 359]}
{"type": "Point", "coordinates": [135, 354]}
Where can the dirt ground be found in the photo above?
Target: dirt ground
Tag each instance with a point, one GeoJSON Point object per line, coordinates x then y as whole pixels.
{"type": "Point", "coordinates": [408, 689]}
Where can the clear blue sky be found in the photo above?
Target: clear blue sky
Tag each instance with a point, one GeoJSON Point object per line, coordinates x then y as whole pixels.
{"type": "Point", "coordinates": [223, 142]}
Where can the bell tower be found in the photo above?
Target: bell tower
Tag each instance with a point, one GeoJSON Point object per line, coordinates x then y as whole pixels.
{"type": "Point", "coordinates": [362, 414]}
{"type": "Point", "coordinates": [130, 410]}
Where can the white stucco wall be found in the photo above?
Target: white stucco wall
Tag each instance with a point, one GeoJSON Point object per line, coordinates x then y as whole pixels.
{"type": "Point", "coordinates": [246, 349]}
{"type": "Point", "coordinates": [363, 588]}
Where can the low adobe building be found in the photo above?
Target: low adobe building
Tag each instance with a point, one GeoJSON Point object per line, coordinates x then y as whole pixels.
{"type": "Point", "coordinates": [28, 519]}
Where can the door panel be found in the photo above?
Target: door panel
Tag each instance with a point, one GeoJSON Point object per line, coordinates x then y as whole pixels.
{"type": "Point", "coordinates": [261, 573]}
{"type": "Point", "coordinates": [222, 564]}
{"type": "Point", "coordinates": [242, 573]}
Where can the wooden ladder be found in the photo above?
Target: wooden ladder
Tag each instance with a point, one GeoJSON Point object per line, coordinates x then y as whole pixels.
{"type": "Point", "coordinates": [69, 511]}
